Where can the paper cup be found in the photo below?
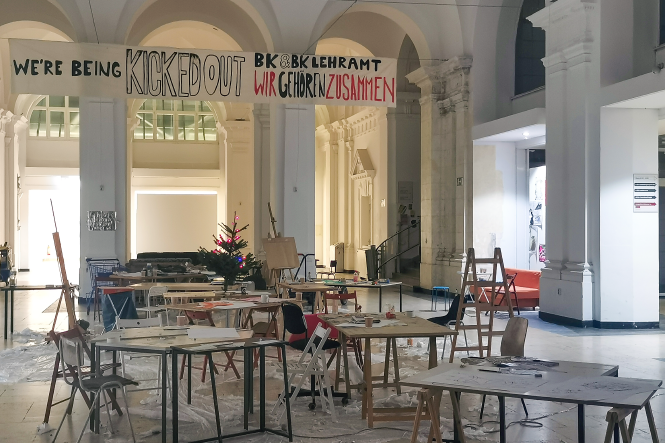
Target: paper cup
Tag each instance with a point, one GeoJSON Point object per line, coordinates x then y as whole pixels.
{"type": "Point", "coordinates": [181, 320]}
{"type": "Point", "coordinates": [299, 296]}
{"type": "Point", "coordinates": [410, 314]}
{"type": "Point", "coordinates": [369, 321]}
{"type": "Point", "coordinates": [265, 298]}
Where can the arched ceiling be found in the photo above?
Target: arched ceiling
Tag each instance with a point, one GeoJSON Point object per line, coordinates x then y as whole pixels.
{"type": "Point", "coordinates": [225, 15]}
{"type": "Point", "coordinates": [190, 34]}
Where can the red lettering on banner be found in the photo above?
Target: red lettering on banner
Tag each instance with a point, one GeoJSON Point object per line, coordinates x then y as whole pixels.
{"type": "Point", "coordinates": [354, 94]}
{"type": "Point", "coordinates": [330, 82]}
{"type": "Point", "coordinates": [272, 84]}
{"type": "Point", "coordinates": [338, 87]}
{"type": "Point", "coordinates": [369, 82]}
{"type": "Point", "coordinates": [390, 91]}
{"type": "Point", "coordinates": [345, 95]}
{"type": "Point", "coordinates": [376, 89]}
{"type": "Point", "coordinates": [259, 87]}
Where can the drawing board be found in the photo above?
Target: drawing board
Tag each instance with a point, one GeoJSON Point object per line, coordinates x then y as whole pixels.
{"type": "Point", "coordinates": [281, 252]}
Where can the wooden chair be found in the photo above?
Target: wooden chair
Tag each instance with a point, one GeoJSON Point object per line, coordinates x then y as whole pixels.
{"type": "Point", "coordinates": [70, 371]}
{"type": "Point", "coordinates": [512, 344]}
{"type": "Point", "coordinates": [194, 317]}
{"type": "Point", "coordinates": [355, 344]}
{"type": "Point", "coordinates": [511, 291]}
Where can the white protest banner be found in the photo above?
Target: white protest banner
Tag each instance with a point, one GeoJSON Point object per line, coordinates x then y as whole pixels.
{"type": "Point", "coordinates": [84, 69]}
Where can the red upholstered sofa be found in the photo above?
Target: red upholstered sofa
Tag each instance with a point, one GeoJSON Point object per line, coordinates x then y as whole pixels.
{"type": "Point", "coordinates": [527, 287]}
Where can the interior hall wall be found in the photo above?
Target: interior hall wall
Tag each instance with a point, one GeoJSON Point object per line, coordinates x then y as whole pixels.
{"type": "Point", "coordinates": [495, 201]}
{"type": "Point", "coordinates": [154, 154]}
{"type": "Point", "coordinates": [408, 168]}
{"type": "Point", "coordinates": [52, 153]}
{"type": "Point", "coordinates": [175, 222]}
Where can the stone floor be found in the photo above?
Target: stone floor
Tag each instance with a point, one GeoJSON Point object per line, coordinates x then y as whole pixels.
{"type": "Point", "coordinates": [26, 363]}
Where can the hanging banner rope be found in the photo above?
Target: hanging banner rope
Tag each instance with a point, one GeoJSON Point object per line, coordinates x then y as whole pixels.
{"type": "Point", "coordinates": [82, 69]}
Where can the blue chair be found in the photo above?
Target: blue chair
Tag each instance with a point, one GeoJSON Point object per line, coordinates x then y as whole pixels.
{"type": "Point", "coordinates": [435, 296]}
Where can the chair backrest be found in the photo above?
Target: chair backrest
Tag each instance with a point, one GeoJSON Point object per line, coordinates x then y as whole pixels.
{"type": "Point", "coordinates": [315, 345]}
{"type": "Point", "coordinates": [127, 323]}
{"type": "Point", "coordinates": [157, 291]}
{"type": "Point", "coordinates": [71, 357]}
{"type": "Point", "coordinates": [336, 296]}
{"type": "Point", "coordinates": [333, 265]}
{"type": "Point", "coordinates": [514, 336]}
{"type": "Point", "coordinates": [454, 307]}
{"type": "Point", "coordinates": [294, 319]}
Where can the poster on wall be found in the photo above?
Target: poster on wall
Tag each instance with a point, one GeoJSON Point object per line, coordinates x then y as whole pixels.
{"type": "Point", "coordinates": [536, 217]}
{"type": "Point", "coordinates": [99, 70]}
{"type": "Point", "coordinates": [645, 193]}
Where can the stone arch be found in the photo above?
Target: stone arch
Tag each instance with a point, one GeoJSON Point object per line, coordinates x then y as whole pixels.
{"type": "Point", "coordinates": [247, 29]}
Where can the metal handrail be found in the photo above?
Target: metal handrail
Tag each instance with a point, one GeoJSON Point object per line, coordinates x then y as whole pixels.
{"type": "Point", "coordinates": [382, 247]}
{"type": "Point", "coordinates": [398, 233]}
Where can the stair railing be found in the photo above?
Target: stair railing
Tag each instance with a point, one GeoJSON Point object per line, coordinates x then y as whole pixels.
{"type": "Point", "coordinates": [382, 256]}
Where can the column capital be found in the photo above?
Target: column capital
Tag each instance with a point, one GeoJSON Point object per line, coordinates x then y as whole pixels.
{"type": "Point", "coordinates": [262, 113]}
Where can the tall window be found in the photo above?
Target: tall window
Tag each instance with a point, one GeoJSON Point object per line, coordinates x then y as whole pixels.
{"type": "Point", "coordinates": [175, 120]}
{"type": "Point", "coordinates": [529, 50]}
{"type": "Point", "coordinates": [662, 22]}
{"type": "Point", "coordinates": [55, 116]}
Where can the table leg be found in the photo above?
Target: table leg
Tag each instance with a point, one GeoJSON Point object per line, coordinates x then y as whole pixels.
{"type": "Point", "coordinates": [400, 298]}
{"type": "Point", "coordinates": [189, 379]}
{"type": "Point", "coordinates": [396, 367]}
{"type": "Point", "coordinates": [651, 421]}
{"type": "Point", "coordinates": [11, 313]}
{"type": "Point", "coordinates": [94, 426]}
{"type": "Point", "coordinates": [369, 401]}
{"type": "Point", "coordinates": [262, 388]}
{"type": "Point", "coordinates": [165, 383]}
{"type": "Point", "coordinates": [380, 298]}
{"type": "Point", "coordinates": [502, 419]}
{"type": "Point", "coordinates": [247, 365]}
{"type": "Point", "coordinates": [580, 424]}
{"type": "Point", "coordinates": [458, 429]}
{"type": "Point", "coordinates": [287, 396]}
{"type": "Point", "coordinates": [211, 365]}
{"type": "Point", "coordinates": [432, 353]}
{"type": "Point", "coordinates": [174, 395]}
{"type": "Point", "coordinates": [386, 365]}
{"type": "Point", "coordinates": [6, 291]}
{"type": "Point", "coordinates": [345, 355]}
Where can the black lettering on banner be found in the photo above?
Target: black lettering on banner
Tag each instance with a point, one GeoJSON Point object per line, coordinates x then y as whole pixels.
{"type": "Point", "coordinates": [33, 67]}
{"type": "Point", "coordinates": [283, 91]}
{"type": "Point", "coordinates": [294, 62]}
{"type": "Point", "coordinates": [258, 60]}
{"type": "Point", "coordinates": [102, 71]}
{"type": "Point", "coordinates": [238, 60]}
{"type": "Point", "coordinates": [303, 84]}
{"type": "Point", "coordinates": [376, 64]}
{"type": "Point", "coordinates": [183, 75]}
{"type": "Point", "coordinates": [155, 74]}
{"type": "Point", "coordinates": [322, 84]}
{"type": "Point", "coordinates": [211, 73]}
{"type": "Point", "coordinates": [115, 69]}
{"type": "Point", "coordinates": [48, 64]}
{"type": "Point", "coordinates": [225, 74]}
{"type": "Point", "coordinates": [342, 62]}
{"type": "Point", "coordinates": [58, 67]}
{"type": "Point", "coordinates": [315, 63]}
{"type": "Point", "coordinates": [86, 68]}
{"type": "Point", "coordinates": [365, 64]}
{"type": "Point", "coordinates": [303, 61]}
{"type": "Point", "coordinates": [19, 67]}
{"type": "Point", "coordinates": [352, 62]}
{"type": "Point", "coordinates": [130, 63]}
{"type": "Point", "coordinates": [194, 74]}
{"type": "Point", "coordinates": [76, 68]}
{"type": "Point", "coordinates": [168, 80]}
{"type": "Point", "coordinates": [308, 81]}
{"type": "Point", "coordinates": [332, 62]}
{"type": "Point", "coordinates": [270, 61]}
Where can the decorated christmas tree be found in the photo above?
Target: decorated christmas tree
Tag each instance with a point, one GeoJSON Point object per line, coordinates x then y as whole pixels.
{"type": "Point", "coordinates": [227, 258]}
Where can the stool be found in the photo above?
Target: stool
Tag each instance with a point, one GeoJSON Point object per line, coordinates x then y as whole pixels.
{"type": "Point", "coordinates": [435, 296]}
{"type": "Point", "coordinates": [617, 417]}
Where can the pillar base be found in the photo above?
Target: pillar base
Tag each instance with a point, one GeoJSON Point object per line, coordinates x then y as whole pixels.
{"type": "Point", "coordinates": [444, 273]}
{"type": "Point", "coordinates": [567, 294]}
{"type": "Point", "coordinates": [566, 321]}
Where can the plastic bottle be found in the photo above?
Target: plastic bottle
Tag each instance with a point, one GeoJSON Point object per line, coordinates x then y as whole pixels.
{"type": "Point", "coordinates": [149, 270]}
{"type": "Point", "coordinates": [356, 277]}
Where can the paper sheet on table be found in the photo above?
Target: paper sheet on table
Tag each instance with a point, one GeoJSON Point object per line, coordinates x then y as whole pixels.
{"type": "Point", "coordinates": [595, 388]}
{"type": "Point", "coordinates": [212, 333]}
{"type": "Point", "coordinates": [236, 305]}
{"type": "Point", "coordinates": [490, 381]}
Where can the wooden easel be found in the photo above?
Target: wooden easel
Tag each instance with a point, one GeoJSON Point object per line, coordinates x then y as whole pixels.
{"type": "Point", "coordinates": [67, 292]}
{"type": "Point", "coordinates": [273, 220]}
{"type": "Point", "coordinates": [478, 288]}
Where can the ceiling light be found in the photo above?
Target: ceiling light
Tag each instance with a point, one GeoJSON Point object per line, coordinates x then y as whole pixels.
{"type": "Point", "coordinates": [525, 134]}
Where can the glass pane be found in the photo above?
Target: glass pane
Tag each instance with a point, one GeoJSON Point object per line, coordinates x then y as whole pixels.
{"type": "Point", "coordinates": [186, 127]}
{"type": "Point", "coordinates": [56, 101]}
{"type": "Point", "coordinates": [57, 125]}
{"type": "Point", "coordinates": [164, 105]}
{"type": "Point", "coordinates": [186, 106]}
{"type": "Point", "coordinates": [38, 123]}
{"type": "Point", "coordinates": [165, 126]}
{"type": "Point", "coordinates": [144, 129]}
{"type": "Point", "coordinates": [73, 102]}
{"type": "Point", "coordinates": [42, 102]}
{"type": "Point", "coordinates": [148, 105]}
{"type": "Point", "coordinates": [204, 107]}
{"type": "Point", "coordinates": [207, 129]}
{"type": "Point", "coordinates": [73, 123]}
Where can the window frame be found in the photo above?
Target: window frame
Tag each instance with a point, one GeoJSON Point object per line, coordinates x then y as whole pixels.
{"type": "Point", "coordinates": [176, 113]}
{"type": "Point", "coordinates": [47, 108]}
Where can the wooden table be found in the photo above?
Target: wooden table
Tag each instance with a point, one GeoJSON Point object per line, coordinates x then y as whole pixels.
{"type": "Point", "coordinates": [367, 285]}
{"type": "Point", "coordinates": [564, 373]}
{"type": "Point", "coordinates": [408, 327]}
{"type": "Point", "coordinates": [184, 297]}
{"type": "Point", "coordinates": [300, 288]}
{"type": "Point", "coordinates": [235, 305]}
{"type": "Point", "coordinates": [125, 280]}
{"type": "Point", "coordinates": [9, 302]}
{"type": "Point", "coordinates": [189, 287]}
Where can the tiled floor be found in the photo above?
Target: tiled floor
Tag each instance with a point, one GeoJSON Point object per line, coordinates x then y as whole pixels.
{"type": "Point", "coordinates": [22, 403]}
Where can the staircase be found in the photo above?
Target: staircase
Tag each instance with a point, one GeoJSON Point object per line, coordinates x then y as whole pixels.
{"type": "Point", "coordinates": [392, 250]}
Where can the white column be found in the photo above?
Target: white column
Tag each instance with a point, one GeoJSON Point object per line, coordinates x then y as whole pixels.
{"type": "Point", "coordinates": [629, 253]}
{"type": "Point", "coordinates": [262, 176]}
{"type": "Point", "coordinates": [240, 176]}
{"type": "Point", "coordinates": [572, 87]}
{"type": "Point", "coordinates": [295, 149]}
{"type": "Point", "coordinates": [103, 166]}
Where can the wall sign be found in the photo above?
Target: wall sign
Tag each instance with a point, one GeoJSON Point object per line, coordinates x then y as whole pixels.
{"type": "Point", "coordinates": [645, 193]}
{"type": "Point", "coordinates": [102, 221]}
{"type": "Point", "coordinates": [84, 69]}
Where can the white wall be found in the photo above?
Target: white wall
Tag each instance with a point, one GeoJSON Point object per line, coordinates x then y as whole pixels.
{"type": "Point", "coordinates": [175, 222]}
{"type": "Point", "coordinates": [495, 218]}
{"type": "Point", "coordinates": [629, 246]}
{"type": "Point", "coordinates": [54, 153]}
